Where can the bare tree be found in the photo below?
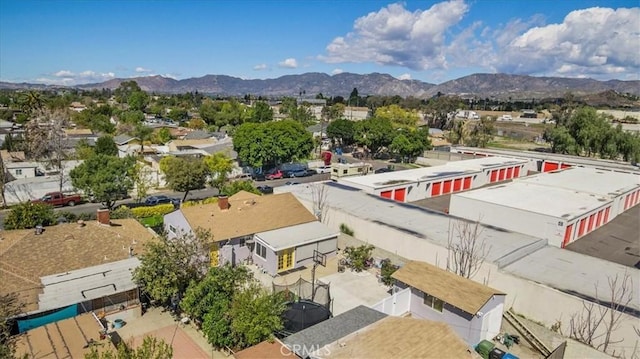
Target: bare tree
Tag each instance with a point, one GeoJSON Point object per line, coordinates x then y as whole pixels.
{"type": "Point", "coordinates": [599, 319]}
{"type": "Point", "coordinates": [319, 194]}
{"type": "Point", "coordinates": [3, 181]}
{"type": "Point", "coordinates": [46, 139]}
{"type": "Point", "coordinates": [10, 306]}
{"type": "Point", "coordinates": [466, 249]}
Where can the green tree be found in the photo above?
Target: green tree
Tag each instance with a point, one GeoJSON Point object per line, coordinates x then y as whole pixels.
{"type": "Point", "coordinates": [162, 136]}
{"type": "Point", "coordinates": [83, 150]}
{"type": "Point", "coordinates": [261, 112]}
{"type": "Point", "coordinates": [143, 133]}
{"type": "Point", "coordinates": [178, 114]}
{"type": "Point", "coordinates": [105, 145]}
{"type": "Point", "coordinates": [482, 133]}
{"type": "Point", "coordinates": [255, 315]}
{"type": "Point", "coordinates": [125, 90]}
{"type": "Point", "coordinates": [374, 133]}
{"type": "Point", "coordinates": [184, 174]}
{"type": "Point", "coordinates": [342, 130]}
{"type": "Point", "coordinates": [151, 348]}
{"type": "Point", "coordinates": [10, 307]}
{"type": "Point", "coordinates": [138, 100]}
{"type": "Point", "coordinates": [104, 177]}
{"type": "Point", "coordinates": [561, 140]}
{"type": "Point", "coordinates": [236, 186]}
{"type": "Point", "coordinates": [220, 165]}
{"type": "Point", "coordinates": [439, 110]}
{"type": "Point", "coordinates": [132, 117]}
{"type": "Point", "coordinates": [398, 116]}
{"type": "Point", "coordinates": [29, 215]}
{"type": "Point", "coordinates": [270, 143]}
{"type": "Point", "coordinates": [409, 144]}
{"type": "Point", "coordinates": [168, 266]}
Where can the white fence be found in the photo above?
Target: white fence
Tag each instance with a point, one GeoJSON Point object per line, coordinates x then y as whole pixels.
{"type": "Point", "coordinates": [395, 305]}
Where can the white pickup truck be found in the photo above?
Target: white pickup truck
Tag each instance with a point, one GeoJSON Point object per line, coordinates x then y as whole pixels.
{"type": "Point", "coordinates": [506, 118]}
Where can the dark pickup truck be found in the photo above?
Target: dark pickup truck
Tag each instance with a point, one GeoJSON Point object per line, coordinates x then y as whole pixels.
{"type": "Point", "coordinates": [59, 199]}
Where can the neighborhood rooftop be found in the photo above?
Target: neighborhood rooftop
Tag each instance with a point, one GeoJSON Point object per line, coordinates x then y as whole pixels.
{"type": "Point", "coordinates": [458, 291]}
{"type": "Point", "coordinates": [297, 235]}
{"type": "Point", "coordinates": [248, 214]}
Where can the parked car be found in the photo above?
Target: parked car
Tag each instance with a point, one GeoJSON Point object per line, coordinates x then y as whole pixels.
{"type": "Point", "coordinates": [116, 196]}
{"type": "Point", "coordinates": [258, 176]}
{"type": "Point", "coordinates": [264, 189]}
{"type": "Point", "coordinates": [289, 183]}
{"type": "Point", "coordinates": [154, 200]}
{"type": "Point", "coordinates": [383, 170]}
{"type": "Point", "coordinates": [277, 174]}
{"type": "Point", "coordinates": [323, 169]}
{"type": "Point", "coordinates": [59, 199]}
{"type": "Point", "coordinates": [301, 173]}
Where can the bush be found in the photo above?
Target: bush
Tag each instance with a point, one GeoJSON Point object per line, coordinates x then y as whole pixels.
{"type": "Point", "coordinates": [196, 203]}
{"type": "Point", "coordinates": [158, 210]}
{"type": "Point", "coordinates": [121, 213]}
{"type": "Point", "coordinates": [358, 258]}
{"type": "Point", "coordinates": [90, 216]}
{"type": "Point", "coordinates": [386, 270]}
{"type": "Point", "coordinates": [68, 216]}
{"type": "Point", "coordinates": [28, 215]}
{"type": "Point", "coordinates": [346, 230]}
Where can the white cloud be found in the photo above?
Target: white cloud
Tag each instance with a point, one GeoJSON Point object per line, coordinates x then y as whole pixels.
{"type": "Point", "coordinates": [142, 70]}
{"type": "Point", "coordinates": [69, 78]}
{"type": "Point", "coordinates": [336, 71]}
{"type": "Point", "coordinates": [404, 77]}
{"type": "Point", "coordinates": [260, 67]}
{"type": "Point", "coordinates": [289, 63]}
{"type": "Point", "coordinates": [398, 37]}
{"type": "Point", "coordinates": [594, 42]}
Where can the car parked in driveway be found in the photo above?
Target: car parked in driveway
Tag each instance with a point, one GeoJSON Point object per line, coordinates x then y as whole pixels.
{"type": "Point", "coordinates": [301, 173]}
{"type": "Point", "coordinates": [264, 189]}
{"type": "Point", "coordinates": [323, 169]}
{"type": "Point", "coordinates": [383, 170]}
{"type": "Point", "coordinates": [277, 174]}
{"type": "Point", "coordinates": [159, 199]}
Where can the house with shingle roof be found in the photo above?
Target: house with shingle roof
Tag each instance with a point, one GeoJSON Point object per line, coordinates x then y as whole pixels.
{"type": "Point", "coordinates": [276, 232]}
{"type": "Point", "coordinates": [72, 268]}
{"type": "Point", "coordinates": [473, 310]}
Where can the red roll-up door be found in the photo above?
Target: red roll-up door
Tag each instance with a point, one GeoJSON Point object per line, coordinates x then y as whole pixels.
{"type": "Point", "coordinates": [494, 176]}
{"type": "Point", "coordinates": [386, 194]}
{"type": "Point", "coordinates": [501, 175]}
{"type": "Point", "coordinates": [567, 235]}
{"type": "Point", "coordinates": [581, 227]}
{"type": "Point", "coordinates": [467, 183]}
{"type": "Point", "coordinates": [592, 221]}
{"type": "Point", "coordinates": [549, 166]}
{"type": "Point", "coordinates": [599, 218]}
{"type": "Point", "coordinates": [626, 201]}
{"type": "Point", "coordinates": [435, 190]}
{"type": "Point", "coordinates": [516, 171]}
{"type": "Point", "coordinates": [509, 172]}
{"type": "Point", "coordinates": [446, 187]}
{"type": "Point", "coordinates": [457, 184]}
{"type": "Point", "coordinates": [565, 165]}
{"type": "Point", "coordinates": [635, 198]}
{"type": "Point", "coordinates": [606, 215]}
{"type": "Point", "coordinates": [400, 194]}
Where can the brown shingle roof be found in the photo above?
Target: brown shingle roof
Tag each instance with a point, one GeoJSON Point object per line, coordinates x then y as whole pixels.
{"type": "Point", "coordinates": [248, 214]}
{"type": "Point", "coordinates": [397, 337]}
{"type": "Point", "coordinates": [460, 292]}
{"type": "Point", "coordinates": [25, 256]}
{"type": "Point", "coordinates": [15, 156]}
{"type": "Point", "coordinates": [266, 350]}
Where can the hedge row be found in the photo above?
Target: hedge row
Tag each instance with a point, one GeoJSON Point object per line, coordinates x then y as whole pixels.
{"type": "Point", "coordinates": [195, 203]}
{"type": "Point", "coordinates": [157, 210]}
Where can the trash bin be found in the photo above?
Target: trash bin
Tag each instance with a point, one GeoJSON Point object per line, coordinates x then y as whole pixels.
{"type": "Point", "coordinates": [118, 323]}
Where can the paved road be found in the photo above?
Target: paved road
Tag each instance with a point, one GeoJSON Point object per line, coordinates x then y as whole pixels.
{"type": "Point", "coordinates": [193, 195]}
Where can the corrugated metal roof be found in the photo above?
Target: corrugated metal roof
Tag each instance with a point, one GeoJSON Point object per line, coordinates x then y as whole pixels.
{"type": "Point", "coordinates": [298, 235]}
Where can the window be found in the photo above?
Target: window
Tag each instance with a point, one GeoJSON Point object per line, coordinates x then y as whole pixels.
{"type": "Point", "coordinates": [172, 229]}
{"type": "Point", "coordinates": [243, 241]}
{"type": "Point", "coordinates": [344, 172]}
{"type": "Point", "coordinates": [433, 302]}
{"type": "Point", "coordinates": [18, 172]}
{"type": "Point", "coordinates": [261, 251]}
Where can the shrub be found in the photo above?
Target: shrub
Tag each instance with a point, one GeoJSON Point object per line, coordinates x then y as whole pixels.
{"type": "Point", "coordinates": [90, 216]}
{"type": "Point", "coordinates": [358, 257]}
{"type": "Point", "coordinates": [386, 270]}
{"type": "Point", "coordinates": [68, 216]}
{"type": "Point", "coordinates": [346, 230]}
{"type": "Point", "coordinates": [203, 201]}
{"type": "Point", "coordinates": [158, 210]}
{"type": "Point", "coordinates": [29, 215]}
{"type": "Point", "coordinates": [121, 212]}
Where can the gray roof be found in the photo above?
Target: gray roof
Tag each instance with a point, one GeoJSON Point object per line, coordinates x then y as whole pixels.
{"type": "Point", "coordinates": [123, 139]}
{"type": "Point", "coordinates": [298, 235]}
{"type": "Point", "coordinates": [197, 135]}
{"type": "Point", "coordinates": [332, 329]}
{"type": "Point", "coordinates": [226, 147]}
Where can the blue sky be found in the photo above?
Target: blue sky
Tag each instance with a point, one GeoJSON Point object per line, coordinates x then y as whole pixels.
{"type": "Point", "coordinates": [72, 42]}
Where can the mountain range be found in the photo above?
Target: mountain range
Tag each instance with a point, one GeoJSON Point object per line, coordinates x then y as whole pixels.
{"type": "Point", "coordinates": [476, 85]}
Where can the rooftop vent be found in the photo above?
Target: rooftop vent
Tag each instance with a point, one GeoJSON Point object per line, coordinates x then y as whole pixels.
{"type": "Point", "coordinates": [39, 229]}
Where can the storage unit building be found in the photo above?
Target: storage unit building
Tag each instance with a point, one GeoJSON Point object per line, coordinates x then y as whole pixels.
{"type": "Point", "coordinates": [622, 188]}
{"type": "Point", "coordinates": [558, 215]}
{"type": "Point", "coordinates": [495, 169]}
{"type": "Point", "coordinates": [415, 184]}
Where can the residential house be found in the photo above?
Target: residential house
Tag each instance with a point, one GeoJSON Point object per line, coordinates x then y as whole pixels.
{"type": "Point", "coordinates": [192, 144]}
{"type": "Point", "coordinates": [473, 310]}
{"type": "Point", "coordinates": [25, 169]}
{"type": "Point", "coordinates": [395, 337]}
{"type": "Point", "coordinates": [72, 268]}
{"type": "Point", "coordinates": [266, 350]}
{"type": "Point", "coordinates": [197, 135]}
{"type": "Point", "coordinates": [275, 232]}
{"type": "Point", "coordinates": [12, 156]}
{"type": "Point", "coordinates": [124, 139]}
{"type": "Point", "coordinates": [77, 106]}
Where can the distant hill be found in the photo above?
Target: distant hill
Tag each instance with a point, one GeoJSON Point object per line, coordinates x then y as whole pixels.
{"type": "Point", "coordinates": [477, 85]}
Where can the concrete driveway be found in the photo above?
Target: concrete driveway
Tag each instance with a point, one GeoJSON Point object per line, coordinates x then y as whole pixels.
{"type": "Point", "coordinates": [351, 289]}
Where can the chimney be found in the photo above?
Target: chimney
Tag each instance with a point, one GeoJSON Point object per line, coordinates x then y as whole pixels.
{"type": "Point", "coordinates": [103, 217]}
{"type": "Point", "coordinates": [223, 202]}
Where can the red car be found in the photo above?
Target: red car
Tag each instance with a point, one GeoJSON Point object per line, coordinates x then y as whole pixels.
{"type": "Point", "coordinates": [277, 174]}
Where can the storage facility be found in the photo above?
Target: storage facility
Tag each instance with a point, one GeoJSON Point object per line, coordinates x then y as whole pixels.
{"type": "Point", "coordinates": [540, 211]}
{"type": "Point", "coordinates": [420, 183]}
